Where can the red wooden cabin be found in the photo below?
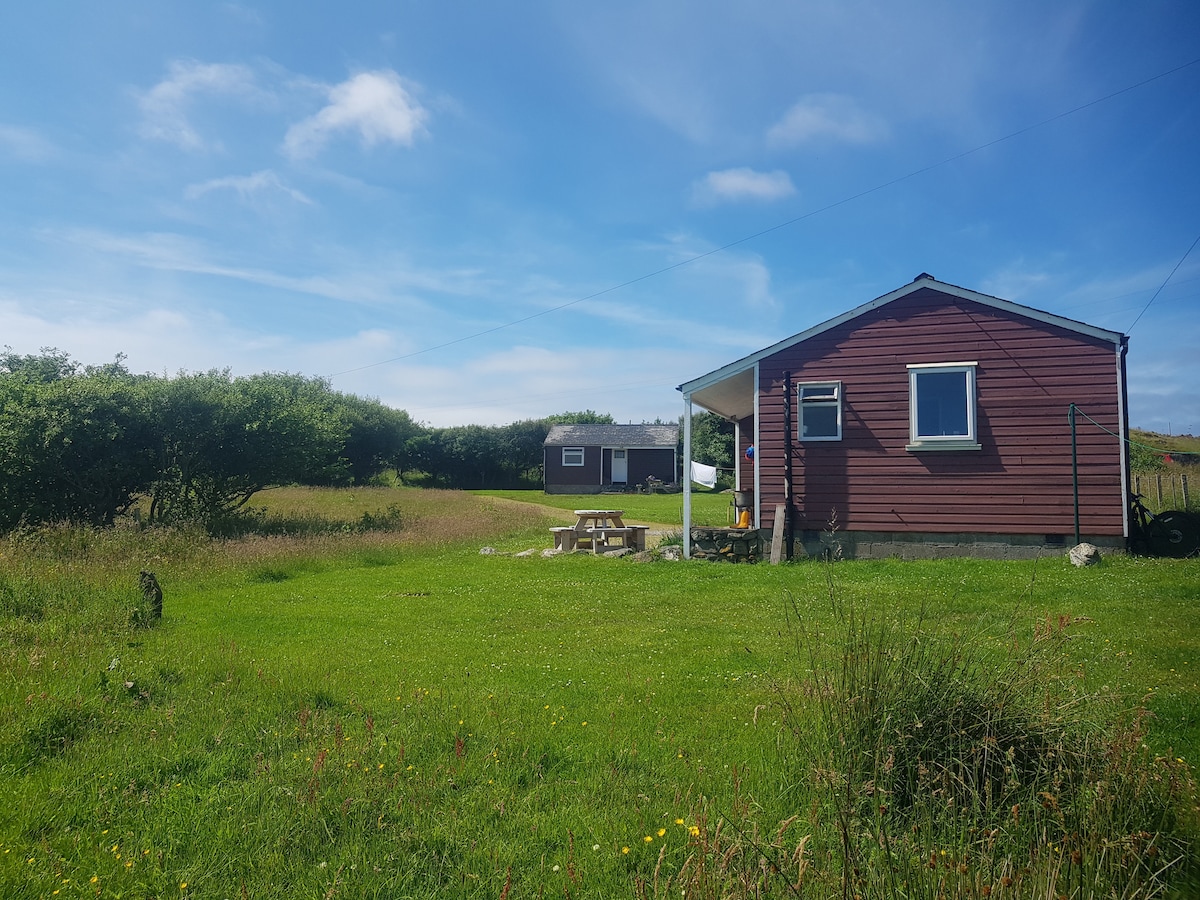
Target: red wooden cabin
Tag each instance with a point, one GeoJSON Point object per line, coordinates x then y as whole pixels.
{"type": "Point", "coordinates": [931, 421]}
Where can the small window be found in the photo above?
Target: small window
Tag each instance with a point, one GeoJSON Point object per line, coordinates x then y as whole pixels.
{"type": "Point", "coordinates": [942, 407]}
{"type": "Point", "coordinates": [572, 456]}
{"type": "Point", "coordinates": [820, 410]}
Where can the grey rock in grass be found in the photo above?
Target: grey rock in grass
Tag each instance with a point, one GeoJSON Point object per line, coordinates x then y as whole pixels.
{"type": "Point", "coordinates": [525, 553]}
{"type": "Point", "coordinates": [671, 552]}
{"type": "Point", "coordinates": [487, 551]}
{"type": "Point", "coordinates": [620, 551]}
{"type": "Point", "coordinates": [1084, 554]}
{"type": "Point", "coordinates": [546, 554]}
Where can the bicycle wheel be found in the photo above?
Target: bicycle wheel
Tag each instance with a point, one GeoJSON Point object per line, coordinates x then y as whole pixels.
{"type": "Point", "coordinates": [1173, 533]}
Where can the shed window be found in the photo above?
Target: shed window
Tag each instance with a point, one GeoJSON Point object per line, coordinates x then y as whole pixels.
{"type": "Point", "coordinates": [941, 400]}
{"type": "Point", "coordinates": [572, 456]}
{"type": "Point", "coordinates": [820, 410]}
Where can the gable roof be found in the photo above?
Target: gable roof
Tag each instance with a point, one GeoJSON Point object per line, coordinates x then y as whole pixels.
{"type": "Point", "coordinates": [612, 436]}
{"type": "Point", "coordinates": [729, 390]}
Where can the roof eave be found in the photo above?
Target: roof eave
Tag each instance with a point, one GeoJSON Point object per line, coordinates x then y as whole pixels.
{"type": "Point", "coordinates": [746, 362]}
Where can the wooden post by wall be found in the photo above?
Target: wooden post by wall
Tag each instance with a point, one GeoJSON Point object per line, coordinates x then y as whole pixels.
{"type": "Point", "coordinates": [1183, 479]}
{"type": "Point", "coordinates": [777, 535]}
{"type": "Point", "coordinates": [1158, 487]}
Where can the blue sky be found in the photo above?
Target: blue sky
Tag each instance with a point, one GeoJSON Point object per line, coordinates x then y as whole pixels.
{"type": "Point", "coordinates": [484, 212]}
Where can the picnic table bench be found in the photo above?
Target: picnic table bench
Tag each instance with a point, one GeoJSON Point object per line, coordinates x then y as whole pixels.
{"type": "Point", "coordinates": [599, 529]}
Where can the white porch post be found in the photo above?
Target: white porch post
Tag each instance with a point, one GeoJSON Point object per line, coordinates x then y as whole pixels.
{"type": "Point", "coordinates": [687, 476]}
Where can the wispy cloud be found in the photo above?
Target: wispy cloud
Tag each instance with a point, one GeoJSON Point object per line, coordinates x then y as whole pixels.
{"type": "Point", "coordinates": [392, 281]}
{"type": "Point", "coordinates": [833, 117]}
{"type": "Point", "coordinates": [377, 106]}
{"type": "Point", "coordinates": [247, 187]}
{"type": "Point", "coordinates": [165, 106]}
{"type": "Point", "coordinates": [25, 145]}
{"type": "Point", "coordinates": [736, 185]}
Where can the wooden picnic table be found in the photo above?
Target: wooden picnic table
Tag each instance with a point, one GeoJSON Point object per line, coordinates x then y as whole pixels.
{"type": "Point", "coordinates": [599, 529]}
{"type": "Point", "coordinates": [598, 518]}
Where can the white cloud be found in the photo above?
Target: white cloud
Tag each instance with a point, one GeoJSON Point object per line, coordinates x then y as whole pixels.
{"type": "Point", "coordinates": [826, 116]}
{"type": "Point", "coordinates": [733, 185]}
{"type": "Point", "coordinates": [165, 106]}
{"type": "Point", "coordinates": [246, 186]}
{"type": "Point", "coordinates": [375, 105]}
{"type": "Point", "coordinates": [24, 144]}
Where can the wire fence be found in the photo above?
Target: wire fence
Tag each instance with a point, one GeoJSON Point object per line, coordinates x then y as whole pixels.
{"type": "Point", "coordinates": [1165, 490]}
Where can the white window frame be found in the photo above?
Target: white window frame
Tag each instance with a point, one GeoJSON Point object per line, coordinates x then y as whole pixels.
{"type": "Point", "coordinates": [918, 441]}
{"type": "Point", "coordinates": [821, 401]}
{"type": "Point", "coordinates": [574, 452]}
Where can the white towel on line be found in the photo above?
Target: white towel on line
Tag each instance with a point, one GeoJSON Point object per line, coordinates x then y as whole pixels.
{"type": "Point", "coordinates": [705, 475]}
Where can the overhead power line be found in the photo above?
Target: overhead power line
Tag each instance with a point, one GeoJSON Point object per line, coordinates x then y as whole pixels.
{"type": "Point", "coordinates": [785, 224]}
{"type": "Point", "coordinates": [1164, 284]}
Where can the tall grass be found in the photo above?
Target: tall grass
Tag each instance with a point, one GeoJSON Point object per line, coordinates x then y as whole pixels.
{"type": "Point", "coordinates": [946, 770]}
{"type": "Point", "coordinates": [356, 713]}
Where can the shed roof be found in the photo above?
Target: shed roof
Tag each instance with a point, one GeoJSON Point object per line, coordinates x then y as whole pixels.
{"type": "Point", "coordinates": [613, 436]}
{"type": "Point", "coordinates": [729, 390]}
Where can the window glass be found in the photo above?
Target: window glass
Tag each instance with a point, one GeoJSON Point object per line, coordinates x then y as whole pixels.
{"type": "Point", "coordinates": [942, 404]}
{"type": "Point", "coordinates": [820, 411]}
{"type": "Point", "coordinates": [572, 456]}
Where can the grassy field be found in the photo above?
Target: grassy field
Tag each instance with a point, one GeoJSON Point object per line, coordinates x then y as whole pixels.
{"type": "Point", "coordinates": [362, 705]}
{"type": "Point", "coordinates": [708, 507]}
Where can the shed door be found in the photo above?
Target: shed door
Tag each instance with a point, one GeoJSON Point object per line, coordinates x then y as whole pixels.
{"type": "Point", "coordinates": [620, 467]}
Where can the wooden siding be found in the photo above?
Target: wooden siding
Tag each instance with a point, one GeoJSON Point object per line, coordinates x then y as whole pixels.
{"type": "Point", "coordinates": [554, 472]}
{"type": "Point", "coordinates": [597, 466]}
{"type": "Point", "coordinates": [659, 462]}
{"type": "Point", "coordinates": [745, 440]}
{"type": "Point", "coordinates": [1028, 374]}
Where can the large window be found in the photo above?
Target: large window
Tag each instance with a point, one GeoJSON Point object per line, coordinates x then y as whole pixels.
{"type": "Point", "coordinates": [941, 399]}
{"type": "Point", "coordinates": [572, 456]}
{"type": "Point", "coordinates": [820, 410]}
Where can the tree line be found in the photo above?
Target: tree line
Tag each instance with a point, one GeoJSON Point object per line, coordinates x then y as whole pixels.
{"type": "Point", "coordinates": [87, 443]}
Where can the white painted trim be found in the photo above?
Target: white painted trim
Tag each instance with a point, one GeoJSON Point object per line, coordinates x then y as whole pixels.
{"type": "Point", "coordinates": [1123, 442]}
{"type": "Point", "coordinates": [968, 441]}
{"type": "Point", "coordinates": [757, 452]}
{"type": "Point", "coordinates": [687, 480]}
{"type": "Point", "coordinates": [941, 365]}
{"type": "Point", "coordinates": [737, 460]}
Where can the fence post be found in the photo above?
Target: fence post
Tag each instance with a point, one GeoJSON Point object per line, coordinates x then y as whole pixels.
{"type": "Point", "coordinates": [1137, 484]}
{"type": "Point", "coordinates": [1183, 480]}
{"type": "Point", "coordinates": [1158, 487]}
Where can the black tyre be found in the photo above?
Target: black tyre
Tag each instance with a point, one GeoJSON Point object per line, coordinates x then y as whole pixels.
{"type": "Point", "coordinates": [1173, 533]}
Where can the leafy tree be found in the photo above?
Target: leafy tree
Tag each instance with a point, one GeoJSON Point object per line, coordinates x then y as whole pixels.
{"type": "Point", "coordinates": [522, 444]}
{"type": "Point", "coordinates": [49, 365]}
{"type": "Point", "coordinates": [712, 440]}
{"type": "Point", "coordinates": [72, 447]}
{"type": "Point", "coordinates": [586, 417]}
{"type": "Point", "coordinates": [223, 439]}
{"type": "Point", "coordinates": [376, 436]}
{"type": "Point", "coordinates": [479, 456]}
